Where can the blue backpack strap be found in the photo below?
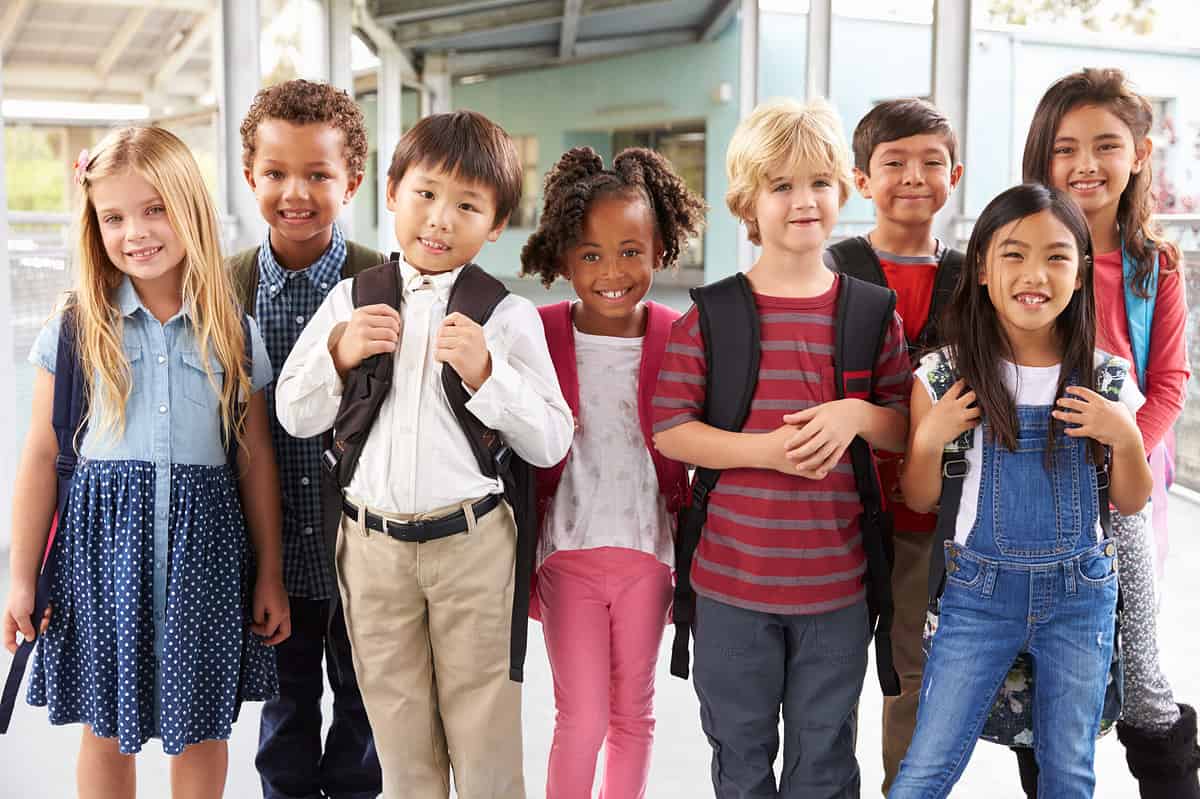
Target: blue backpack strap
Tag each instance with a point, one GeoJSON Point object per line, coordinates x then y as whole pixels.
{"type": "Point", "coordinates": [1139, 312]}
{"type": "Point", "coordinates": [732, 348]}
{"type": "Point", "coordinates": [68, 418]}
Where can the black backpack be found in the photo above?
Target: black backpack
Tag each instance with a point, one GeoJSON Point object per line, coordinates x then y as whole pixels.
{"type": "Point", "coordinates": [729, 325]}
{"type": "Point", "coordinates": [68, 418]}
{"type": "Point", "coordinates": [475, 294]}
{"type": "Point", "coordinates": [856, 257]}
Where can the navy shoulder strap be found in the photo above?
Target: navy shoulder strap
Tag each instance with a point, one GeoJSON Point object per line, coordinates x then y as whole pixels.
{"type": "Point", "coordinates": [69, 420]}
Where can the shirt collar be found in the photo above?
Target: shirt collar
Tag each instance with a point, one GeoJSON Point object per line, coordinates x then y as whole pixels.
{"type": "Point", "coordinates": [322, 273]}
{"type": "Point", "coordinates": [413, 280]}
{"type": "Point", "coordinates": [128, 301]}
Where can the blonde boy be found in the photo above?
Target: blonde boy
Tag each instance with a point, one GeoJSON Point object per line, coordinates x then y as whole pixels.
{"type": "Point", "coordinates": [782, 623]}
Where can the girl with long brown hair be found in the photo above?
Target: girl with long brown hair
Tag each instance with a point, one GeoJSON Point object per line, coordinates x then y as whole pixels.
{"type": "Point", "coordinates": [1090, 140]}
{"type": "Point", "coordinates": [158, 617]}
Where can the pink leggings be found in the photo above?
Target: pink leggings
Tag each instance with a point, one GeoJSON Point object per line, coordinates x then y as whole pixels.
{"type": "Point", "coordinates": [603, 614]}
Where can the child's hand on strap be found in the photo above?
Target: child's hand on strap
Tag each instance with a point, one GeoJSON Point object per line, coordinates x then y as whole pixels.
{"type": "Point", "coordinates": [1090, 415]}
{"type": "Point", "coordinates": [18, 613]}
{"type": "Point", "coordinates": [272, 614]}
{"type": "Point", "coordinates": [951, 416]}
{"type": "Point", "coordinates": [823, 433]}
{"type": "Point", "coordinates": [372, 329]}
{"type": "Point", "coordinates": [461, 344]}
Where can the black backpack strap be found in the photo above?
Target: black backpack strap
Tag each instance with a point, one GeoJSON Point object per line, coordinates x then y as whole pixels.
{"type": "Point", "coordinates": [476, 294]}
{"type": "Point", "coordinates": [856, 257]}
{"type": "Point", "coordinates": [69, 420]}
{"type": "Point", "coordinates": [949, 267]}
{"type": "Point", "coordinates": [1110, 379]}
{"type": "Point", "coordinates": [864, 314]}
{"type": "Point", "coordinates": [366, 385]}
{"type": "Point", "coordinates": [732, 349]}
{"type": "Point", "coordinates": [942, 376]}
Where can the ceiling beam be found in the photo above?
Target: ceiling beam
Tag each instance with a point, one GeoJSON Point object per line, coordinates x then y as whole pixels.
{"type": "Point", "coordinates": [197, 35]}
{"type": "Point", "coordinates": [570, 28]}
{"type": "Point", "coordinates": [14, 15]}
{"type": "Point", "coordinates": [393, 12]}
{"type": "Point", "coordinates": [426, 32]}
{"type": "Point", "coordinates": [719, 17]}
{"type": "Point", "coordinates": [469, 63]}
{"type": "Point", "coordinates": [129, 28]}
{"type": "Point", "coordinates": [612, 45]}
{"type": "Point", "coordinates": [197, 6]}
{"type": "Point", "coordinates": [85, 82]}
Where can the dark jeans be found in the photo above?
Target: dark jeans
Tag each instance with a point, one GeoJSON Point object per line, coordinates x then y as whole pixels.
{"type": "Point", "coordinates": [750, 667]}
{"type": "Point", "coordinates": [290, 759]}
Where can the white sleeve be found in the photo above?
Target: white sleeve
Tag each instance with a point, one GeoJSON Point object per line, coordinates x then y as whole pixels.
{"type": "Point", "coordinates": [309, 389]}
{"type": "Point", "coordinates": [521, 399]}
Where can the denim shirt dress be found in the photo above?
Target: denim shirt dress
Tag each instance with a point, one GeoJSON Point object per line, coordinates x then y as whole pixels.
{"type": "Point", "coordinates": [149, 630]}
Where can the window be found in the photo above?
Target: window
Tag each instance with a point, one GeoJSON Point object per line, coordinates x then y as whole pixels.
{"type": "Point", "coordinates": [526, 214]}
{"type": "Point", "coordinates": [684, 146]}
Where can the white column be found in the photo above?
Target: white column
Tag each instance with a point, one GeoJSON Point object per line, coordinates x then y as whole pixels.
{"type": "Point", "coordinates": [8, 384]}
{"type": "Point", "coordinates": [747, 96]}
{"type": "Point", "coordinates": [339, 31]}
{"type": "Point", "coordinates": [951, 83]}
{"type": "Point", "coordinates": [239, 81]}
{"type": "Point", "coordinates": [820, 37]}
{"type": "Point", "coordinates": [436, 76]}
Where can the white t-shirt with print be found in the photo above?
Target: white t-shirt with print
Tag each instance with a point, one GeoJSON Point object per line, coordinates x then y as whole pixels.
{"type": "Point", "coordinates": [609, 494]}
{"type": "Point", "coordinates": [1031, 385]}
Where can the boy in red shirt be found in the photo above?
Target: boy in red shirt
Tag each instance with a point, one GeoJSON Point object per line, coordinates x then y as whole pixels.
{"type": "Point", "coordinates": [905, 163]}
{"type": "Point", "coordinates": [781, 618]}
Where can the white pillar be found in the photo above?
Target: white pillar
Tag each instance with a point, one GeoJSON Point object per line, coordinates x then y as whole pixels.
{"type": "Point", "coordinates": [951, 84]}
{"type": "Point", "coordinates": [240, 79]}
{"type": "Point", "coordinates": [387, 134]}
{"type": "Point", "coordinates": [339, 32]}
{"type": "Point", "coordinates": [436, 76]}
{"type": "Point", "coordinates": [8, 385]}
{"type": "Point", "coordinates": [747, 96]}
{"type": "Point", "coordinates": [820, 38]}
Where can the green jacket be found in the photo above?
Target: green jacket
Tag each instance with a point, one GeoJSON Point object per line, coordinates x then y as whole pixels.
{"type": "Point", "coordinates": [244, 268]}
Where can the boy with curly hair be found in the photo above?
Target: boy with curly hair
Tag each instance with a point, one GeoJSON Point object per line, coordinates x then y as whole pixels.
{"type": "Point", "coordinates": [304, 145]}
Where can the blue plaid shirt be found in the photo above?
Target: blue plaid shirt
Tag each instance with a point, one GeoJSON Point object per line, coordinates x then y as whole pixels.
{"type": "Point", "coordinates": [285, 302]}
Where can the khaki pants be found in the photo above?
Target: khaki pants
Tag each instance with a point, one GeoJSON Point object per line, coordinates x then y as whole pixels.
{"type": "Point", "coordinates": [910, 595]}
{"type": "Point", "coordinates": [429, 630]}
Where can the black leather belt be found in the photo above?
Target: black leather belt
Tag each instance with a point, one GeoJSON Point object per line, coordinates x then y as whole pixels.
{"type": "Point", "coordinates": [426, 529]}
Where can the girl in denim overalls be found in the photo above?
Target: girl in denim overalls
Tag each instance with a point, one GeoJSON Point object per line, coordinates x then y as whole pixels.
{"type": "Point", "coordinates": [1028, 570]}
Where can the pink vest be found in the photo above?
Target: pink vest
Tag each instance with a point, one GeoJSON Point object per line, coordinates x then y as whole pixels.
{"type": "Point", "coordinates": [560, 339]}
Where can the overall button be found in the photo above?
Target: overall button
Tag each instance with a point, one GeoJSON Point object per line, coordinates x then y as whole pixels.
{"type": "Point", "coordinates": [1111, 549]}
{"type": "Point", "coordinates": [951, 567]}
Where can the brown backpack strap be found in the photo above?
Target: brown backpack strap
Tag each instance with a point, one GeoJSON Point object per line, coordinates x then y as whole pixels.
{"type": "Point", "coordinates": [360, 258]}
{"type": "Point", "coordinates": [475, 295]}
{"type": "Point", "coordinates": [243, 268]}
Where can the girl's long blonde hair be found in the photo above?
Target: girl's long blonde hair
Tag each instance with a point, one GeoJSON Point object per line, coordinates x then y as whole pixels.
{"type": "Point", "coordinates": [164, 161]}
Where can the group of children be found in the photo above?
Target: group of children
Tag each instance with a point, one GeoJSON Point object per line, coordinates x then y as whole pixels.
{"type": "Point", "coordinates": [431, 460]}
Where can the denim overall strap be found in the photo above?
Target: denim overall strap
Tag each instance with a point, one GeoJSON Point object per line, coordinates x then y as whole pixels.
{"type": "Point", "coordinates": [1035, 506]}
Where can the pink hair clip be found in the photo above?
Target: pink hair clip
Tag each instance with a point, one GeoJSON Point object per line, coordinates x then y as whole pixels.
{"type": "Point", "coordinates": [81, 166]}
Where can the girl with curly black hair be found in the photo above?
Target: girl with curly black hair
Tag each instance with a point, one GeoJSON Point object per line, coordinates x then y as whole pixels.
{"type": "Point", "coordinates": [607, 511]}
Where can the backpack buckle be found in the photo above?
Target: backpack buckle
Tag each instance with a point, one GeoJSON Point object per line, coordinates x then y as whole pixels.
{"type": "Point", "coordinates": [956, 468]}
{"type": "Point", "coordinates": [502, 458]}
{"type": "Point", "coordinates": [699, 494]}
{"type": "Point", "coordinates": [329, 460]}
{"type": "Point", "coordinates": [64, 465]}
{"type": "Point", "coordinates": [1101, 478]}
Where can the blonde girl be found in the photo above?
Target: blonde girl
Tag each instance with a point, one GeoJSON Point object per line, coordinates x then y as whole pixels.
{"type": "Point", "coordinates": [158, 624]}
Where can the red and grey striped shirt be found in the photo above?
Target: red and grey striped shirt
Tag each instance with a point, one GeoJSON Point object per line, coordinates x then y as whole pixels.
{"type": "Point", "coordinates": [774, 542]}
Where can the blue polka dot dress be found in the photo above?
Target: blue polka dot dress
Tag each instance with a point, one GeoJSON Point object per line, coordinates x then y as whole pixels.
{"type": "Point", "coordinates": [149, 635]}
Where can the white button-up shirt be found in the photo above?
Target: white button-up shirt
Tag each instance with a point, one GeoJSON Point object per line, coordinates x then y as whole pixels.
{"type": "Point", "coordinates": [417, 457]}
